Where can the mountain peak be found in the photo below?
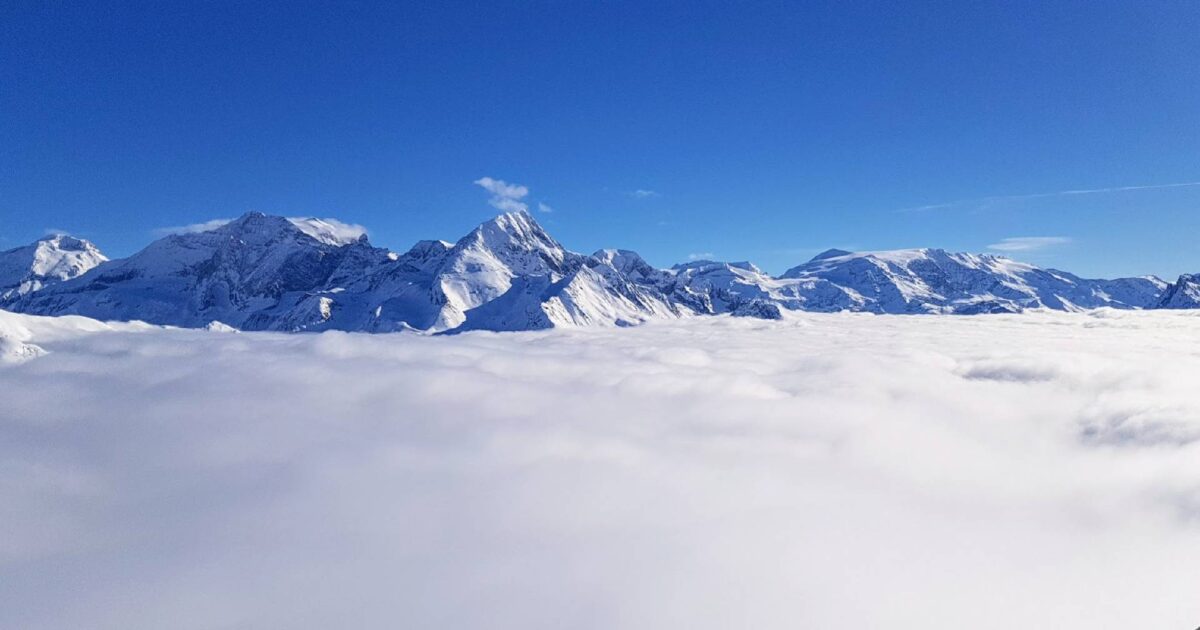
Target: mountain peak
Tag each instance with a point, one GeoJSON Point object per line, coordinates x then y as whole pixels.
{"type": "Point", "coordinates": [256, 222]}
{"type": "Point", "coordinates": [517, 223]}
{"type": "Point", "coordinates": [513, 231]}
{"type": "Point", "coordinates": [256, 227]}
{"type": "Point", "coordinates": [1183, 293]}
{"type": "Point", "coordinates": [66, 242]}
{"type": "Point", "coordinates": [830, 253]}
{"type": "Point", "coordinates": [49, 259]}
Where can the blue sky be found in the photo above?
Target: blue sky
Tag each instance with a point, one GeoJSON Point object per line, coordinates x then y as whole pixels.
{"type": "Point", "coordinates": [760, 131]}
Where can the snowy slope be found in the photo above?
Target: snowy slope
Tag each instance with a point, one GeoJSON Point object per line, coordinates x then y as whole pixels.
{"type": "Point", "coordinates": [47, 261]}
{"type": "Point", "coordinates": [593, 295]}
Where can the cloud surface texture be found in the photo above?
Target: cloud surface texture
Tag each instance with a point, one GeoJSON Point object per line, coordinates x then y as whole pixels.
{"type": "Point", "coordinates": [827, 471]}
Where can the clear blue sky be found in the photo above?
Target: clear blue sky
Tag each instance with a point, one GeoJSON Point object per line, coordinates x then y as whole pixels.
{"type": "Point", "coordinates": [767, 131]}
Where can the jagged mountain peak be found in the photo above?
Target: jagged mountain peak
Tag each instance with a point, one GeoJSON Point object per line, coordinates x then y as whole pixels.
{"type": "Point", "coordinates": [482, 265]}
{"type": "Point", "coordinates": [512, 230]}
{"type": "Point", "coordinates": [1183, 293]}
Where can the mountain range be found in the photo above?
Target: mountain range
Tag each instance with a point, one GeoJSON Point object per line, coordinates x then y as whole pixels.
{"type": "Point", "coordinates": [262, 272]}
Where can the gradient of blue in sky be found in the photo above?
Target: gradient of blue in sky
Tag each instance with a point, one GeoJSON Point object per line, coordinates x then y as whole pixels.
{"type": "Point", "coordinates": [765, 131]}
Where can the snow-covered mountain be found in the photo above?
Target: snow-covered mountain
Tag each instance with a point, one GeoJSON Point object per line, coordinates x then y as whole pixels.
{"type": "Point", "coordinates": [506, 274]}
{"type": "Point", "coordinates": [243, 273]}
{"type": "Point", "coordinates": [937, 281]}
{"type": "Point", "coordinates": [262, 272]}
{"type": "Point", "coordinates": [44, 262]}
{"type": "Point", "coordinates": [1184, 293]}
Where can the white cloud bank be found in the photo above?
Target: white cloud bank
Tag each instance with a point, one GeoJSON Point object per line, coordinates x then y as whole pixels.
{"type": "Point", "coordinates": [1028, 243]}
{"type": "Point", "coordinates": [829, 471]}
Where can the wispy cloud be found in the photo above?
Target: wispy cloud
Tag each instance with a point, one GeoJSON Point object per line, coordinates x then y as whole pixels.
{"type": "Point", "coordinates": [544, 208]}
{"type": "Point", "coordinates": [1058, 193]}
{"type": "Point", "coordinates": [1028, 243]}
{"type": "Point", "coordinates": [191, 228]}
{"type": "Point", "coordinates": [505, 196]}
{"type": "Point", "coordinates": [642, 193]}
{"type": "Point", "coordinates": [701, 256]}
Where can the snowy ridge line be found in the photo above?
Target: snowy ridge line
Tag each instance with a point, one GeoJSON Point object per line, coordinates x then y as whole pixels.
{"type": "Point", "coordinates": [262, 272]}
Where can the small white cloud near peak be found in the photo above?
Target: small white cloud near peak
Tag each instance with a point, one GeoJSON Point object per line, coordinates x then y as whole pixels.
{"type": "Point", "coordinates": [544, 208]}
{"type": "Point", "coordinates": [193, 228]}
{"type": "Point", "coordinates": [1028, 243]}
{"type": "Point", "coordinates": [505, 196]}
{"type": "Point", "coordinates": [701, 256]}
{"type": "Point", "coordinates": [642, 193]}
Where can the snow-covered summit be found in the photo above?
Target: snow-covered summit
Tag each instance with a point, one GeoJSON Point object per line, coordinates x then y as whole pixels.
{"type": "Point", "coordinates": [48, 260]}
{"type": "Point", "coordinates": [481, 265]}
{"type": "Point", "coordinates": [330, 231]}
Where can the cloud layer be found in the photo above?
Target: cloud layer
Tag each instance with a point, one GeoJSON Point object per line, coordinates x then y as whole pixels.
{"type": "Point", "coordinates": [828, 471]}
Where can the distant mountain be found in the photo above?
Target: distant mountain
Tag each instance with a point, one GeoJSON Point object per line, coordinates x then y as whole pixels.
{"type": "Point", "coordinates": [262, 272]}
{"type": "Point", "coordinates": [1184, 293]}
{"type": "Point", "coordinates": [937, 281]}
{"type": "Point", "coordinates": [45, 262]}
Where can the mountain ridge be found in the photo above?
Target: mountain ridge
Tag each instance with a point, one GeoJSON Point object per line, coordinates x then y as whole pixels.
{"type": "Point", "coordinates": [264, 272]}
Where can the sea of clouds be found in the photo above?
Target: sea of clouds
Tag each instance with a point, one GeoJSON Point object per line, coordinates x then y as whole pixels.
{"type": "Point", "coordinates": [829, 471]}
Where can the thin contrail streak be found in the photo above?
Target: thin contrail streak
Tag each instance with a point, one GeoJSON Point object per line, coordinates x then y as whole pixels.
{"type": "Point", "coordinates": [1060, 193]}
